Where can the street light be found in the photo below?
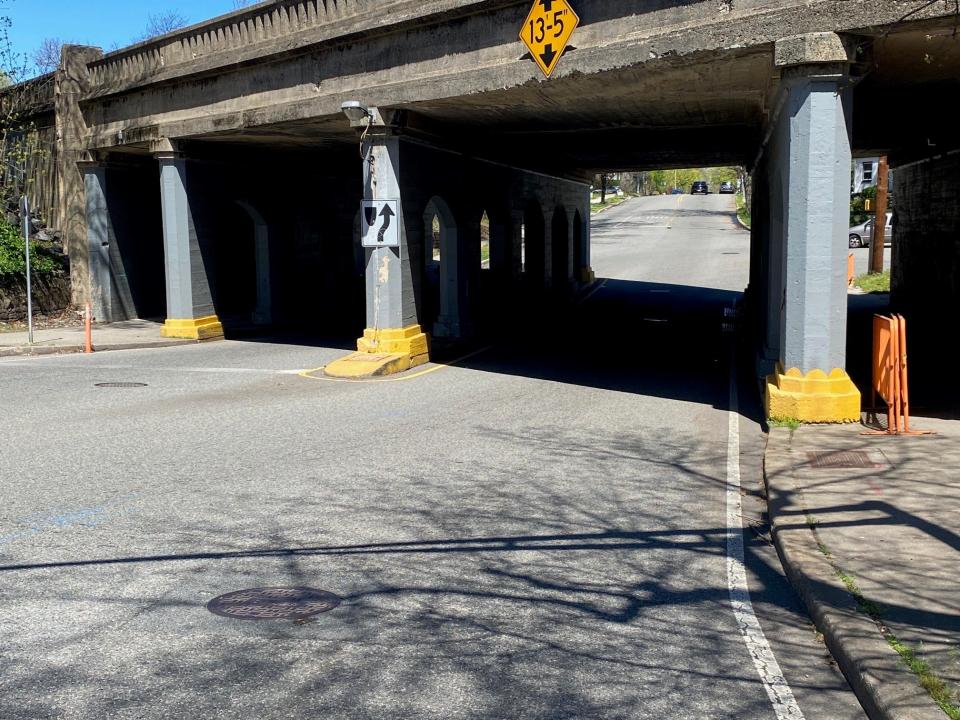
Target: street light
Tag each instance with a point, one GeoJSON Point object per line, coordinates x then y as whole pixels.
{"type": "Point", "coordinates": [357, 113]}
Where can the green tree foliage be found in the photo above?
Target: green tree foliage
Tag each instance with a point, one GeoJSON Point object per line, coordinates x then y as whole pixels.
{"type": "Point", "coordinates": [663, 181]}
{"type": "Point", "coordinates": [13, 259]}
{"type": "Point", "coordinates": [858, 211]}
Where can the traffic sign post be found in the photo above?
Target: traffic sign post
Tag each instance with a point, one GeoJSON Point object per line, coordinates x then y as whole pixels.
{"type": "Point", "coordinates": [547, 31]}
{"type": "Point", "coordinates": [380, 226]}
{"type": "Point", "coordinates": [25, 213]}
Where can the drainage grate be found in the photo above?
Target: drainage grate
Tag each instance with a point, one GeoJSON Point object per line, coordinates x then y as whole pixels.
{"type": "Point", "coordinates": [852, 459]}
{"type": "Point", "coordinates": [273, 603]}
{"type": "Point", "coordinates": [120, 385]}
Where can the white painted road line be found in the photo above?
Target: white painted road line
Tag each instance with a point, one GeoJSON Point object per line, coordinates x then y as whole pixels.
{"type": "Point", "coordinates": [781, 696]}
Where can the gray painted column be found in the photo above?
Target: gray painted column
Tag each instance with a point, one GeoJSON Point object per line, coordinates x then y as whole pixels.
{"type": "Point", "coordinates": [389, 282]}
{"type": "Point", "coordinates": [190, 310]}
{"type": "Point", "coordinates": [572, 272]}
{"type": "Point", "coordinates": [587, 223]}
{"type": "Point", "coordinates": [262, 312]}
{"type": "Point", "coordinates": [810, 176]}
{"type": "Point", "coordinates": [110, 297]}
{"type": "Point", "coordinates": [515, 248]}
{"type": "Point", "coordinates": [548, 208]}
{"type": "Point", "coordinates": [99, 239]}
{"type": "Point", "coordinates": [449, 323]}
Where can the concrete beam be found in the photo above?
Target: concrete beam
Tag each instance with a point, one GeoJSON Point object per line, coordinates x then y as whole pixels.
{"type": "Point", "coordinates": [810, 49]}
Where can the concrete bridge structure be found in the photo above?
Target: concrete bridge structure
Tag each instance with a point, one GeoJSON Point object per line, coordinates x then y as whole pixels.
{"type": "Point", "coordinates": [217, 175]}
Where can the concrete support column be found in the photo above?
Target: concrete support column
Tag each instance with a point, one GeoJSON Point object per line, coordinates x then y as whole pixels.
{"type": "Point", "coordinates": [99, 239]}
{"type": "Point", "coordinates": [501, 239]}
{"type": "Point", "coordinates": [393, 340]}
{"type": "Point", "coordinates": [263, 310]}
{"type": "Point", "coordinates": [190, 311]}
{"type": "Point", "coordinates": [582, 270]}
{"type": "Point", "coordinates": [515, 249]}
{"type": "Point", "coordinates": [109, 291]}
{"type": "Point", "coordinates": [547, 277]}
{"type": "Point", "coordinates": [454, 274]}
{"type": "Point", "coordinates": [766, 296]}
{"type": "Point", "coordinates": [809, 159]}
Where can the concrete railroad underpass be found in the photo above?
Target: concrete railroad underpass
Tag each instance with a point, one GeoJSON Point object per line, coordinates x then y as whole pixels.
{"type": "Point", "coordinates": [256, 215]}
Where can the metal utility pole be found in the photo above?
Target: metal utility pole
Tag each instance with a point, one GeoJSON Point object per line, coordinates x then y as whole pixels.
{"type": "Point", "coordinates": [25, 211]}
{"type": "Point", "coordinates": [879, 219]}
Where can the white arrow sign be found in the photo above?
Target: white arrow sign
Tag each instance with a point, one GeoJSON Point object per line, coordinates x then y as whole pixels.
{"type": "Point", "coordinates": [379, 224]}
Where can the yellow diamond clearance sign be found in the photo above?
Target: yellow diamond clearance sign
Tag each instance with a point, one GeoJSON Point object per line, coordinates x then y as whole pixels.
{"type": "Point", "coordinates": [547, 31]}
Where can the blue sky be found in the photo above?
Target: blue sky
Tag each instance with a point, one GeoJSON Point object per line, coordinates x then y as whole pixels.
{"type": "Point", "coordinates": [104, 23]}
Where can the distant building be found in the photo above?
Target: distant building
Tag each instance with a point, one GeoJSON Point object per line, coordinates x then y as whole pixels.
{"type": "Point", "coordinates": [865, 174]}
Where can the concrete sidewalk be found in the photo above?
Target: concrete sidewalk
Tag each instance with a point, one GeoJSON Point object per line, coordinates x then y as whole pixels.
{"type": "Point", "coordinates": [125, 335]}
{"type": "Point", "coordinates": [874, 552]}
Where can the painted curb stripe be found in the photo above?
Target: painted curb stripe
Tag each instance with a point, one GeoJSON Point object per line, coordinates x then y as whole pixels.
{"type": "Point", "coordinates": [310, 374]}
{"type": "Point", "coordinates": [778, 690]}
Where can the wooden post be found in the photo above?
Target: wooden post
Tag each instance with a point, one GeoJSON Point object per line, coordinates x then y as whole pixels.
{"type": "Point", "coordinates": [879, 219]}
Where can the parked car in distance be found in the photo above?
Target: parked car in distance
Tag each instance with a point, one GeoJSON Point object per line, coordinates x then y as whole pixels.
{"type": "Point", "coordinates": [699, 188]}
{"type": "Point", "coordinates": [862, 235]}
{"type": "Point", "coordinates": [727, 188]}
{"type": "Point", "coordinates": [676, 191]}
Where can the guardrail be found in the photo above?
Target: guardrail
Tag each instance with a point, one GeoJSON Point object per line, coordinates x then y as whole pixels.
{"type": "Point", "coordinates": [243, 28]}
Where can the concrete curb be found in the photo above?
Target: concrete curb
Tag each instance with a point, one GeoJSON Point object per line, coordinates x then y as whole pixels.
{"type": "Point", "coordinates": [606, 207]}
{"type": "Point", "coordinates": [741, 223]}
{"type": "Point", "coordinates": [886, 689]}
{"type": "Point", "coordinates": [36, 350]}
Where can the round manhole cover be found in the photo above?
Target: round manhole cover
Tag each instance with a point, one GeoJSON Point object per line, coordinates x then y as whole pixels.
{"type": "Point", "coordinates": [273, 603]}
{"type": "Point", "coordinates": [120, 385]}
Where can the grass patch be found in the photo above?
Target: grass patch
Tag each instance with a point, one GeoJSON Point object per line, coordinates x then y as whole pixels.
{"type": "Point", "coordinates": [874, 282]}
{"type": "Point", "coordinates": [935, 686]}
{"type": "Point", "coordinates": [612, 200]}
{"type": "Point", "coordinates": [791, 423]}
{"type": "Point", "coordinates": [43, 261]}
{"type": "Point", "coordinates": [743, 212]}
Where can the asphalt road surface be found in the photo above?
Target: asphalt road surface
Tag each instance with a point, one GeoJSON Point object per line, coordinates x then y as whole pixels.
{"type": "Point", "coordinates": [539, 531]}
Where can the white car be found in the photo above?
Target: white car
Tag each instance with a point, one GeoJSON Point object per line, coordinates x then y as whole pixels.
{"type": "Point", "coordinates": [861, 235]}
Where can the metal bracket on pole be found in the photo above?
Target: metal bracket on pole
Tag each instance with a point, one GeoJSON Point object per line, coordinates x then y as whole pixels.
{"type": "Point", "coordinates": [25, 211]}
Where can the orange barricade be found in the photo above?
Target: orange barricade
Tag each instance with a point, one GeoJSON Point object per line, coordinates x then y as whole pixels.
{"type": "Point", "coordinates": [851, 271]}
{"type": "Point", "coordinates": [890, 379]}
{"type": "Point", "coordinates": [886, 368]}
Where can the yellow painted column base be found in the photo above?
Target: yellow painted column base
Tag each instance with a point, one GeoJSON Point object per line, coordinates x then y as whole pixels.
{"type": "Point", "coordinates": [383, 352]}
{"type": "Point", "coordinates": [205, 328]}
{"type": "Point", "coordinates": [813, 398]}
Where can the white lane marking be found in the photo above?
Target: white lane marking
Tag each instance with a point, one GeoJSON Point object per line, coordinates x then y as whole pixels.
{"type": "Point", "coordinates": [778, 690]}
{"type": "Point", "coordinates": [173, 369]}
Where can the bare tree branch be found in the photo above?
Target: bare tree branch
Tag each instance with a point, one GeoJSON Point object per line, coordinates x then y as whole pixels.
{"type": "Point", "coordinates": [162, 23]}
{"type": "Point", "coordinates": [47, 56]}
